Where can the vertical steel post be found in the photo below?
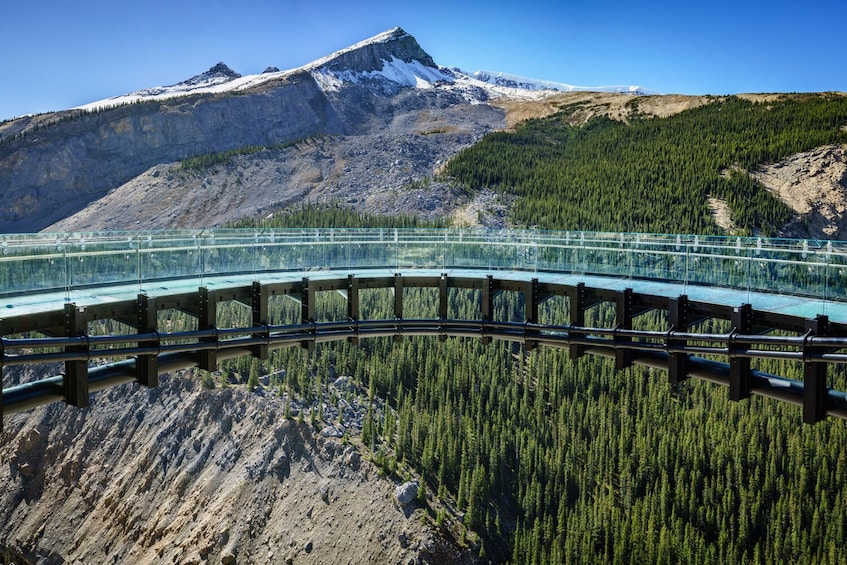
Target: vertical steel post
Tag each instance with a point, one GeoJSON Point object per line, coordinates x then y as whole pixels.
{"type": "Point", "coordinates": [259, 308]}
{"type": "Point", "coordinates": [678, 321]}
{"type": "Point", "coordinates": [307, 311]}
{"type": "Point", "coordinates": [623, 319]}
{"type": "Point", "coordinates": [353, 303]}
{"type": "Point", "coordinates": [76, 372]}
{"type": "Point", "coordinates": [206, 320]}
{"type": "Point", "coordinates": [442, 302]}
{"type": "Point", "coordinates": [398, 301]}
{"type": "Point", "coordinates": [531, 300]}
{"type": "Point", "coordinates": [487, 304]}
{"type": "Point", "coordinates": [146, 366]}
{"type": "Point", "coordinates": [814, 375]}
{"type": "Point", "coordinates": [398, 295]}
{"type": "Point", "coordinates": [740, 377]}
{"type": "Point", "coordinates": [576, 302]}
{"type": "Point", "coordinates": [442, 297]}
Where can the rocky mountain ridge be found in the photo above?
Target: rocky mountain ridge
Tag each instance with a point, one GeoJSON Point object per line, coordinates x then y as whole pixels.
{"type": "Point", "coordinates": [52, 167]}
{"type": "Point", "coordinates": [218, 74]}
{"type": "Point", "coordinates": [512, 81]}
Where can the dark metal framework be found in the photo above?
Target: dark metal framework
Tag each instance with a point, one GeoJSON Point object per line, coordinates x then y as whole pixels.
{"type": "Point", "coordinates": [142, 356]}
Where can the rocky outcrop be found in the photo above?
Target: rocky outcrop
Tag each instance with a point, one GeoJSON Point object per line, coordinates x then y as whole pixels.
{"type": "Point", "coordinates": [407, 492]}
{"type": "Point", "coordinates": [218, 74]}
{"type": "Point", "coordinates": [814, 185]}
{"type": "Point", "coordinates": [184, 474]}
{"type": "Point", "coordinates": [371, 55]}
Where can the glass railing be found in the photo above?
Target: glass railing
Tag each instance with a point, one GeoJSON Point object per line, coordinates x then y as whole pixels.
{"type": "Point", "coordinates": [55, 262]}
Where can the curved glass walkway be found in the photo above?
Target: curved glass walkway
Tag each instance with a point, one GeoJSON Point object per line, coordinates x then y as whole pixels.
{"type": "Point", "coordinates": [801, 278]}
{"type": "Point", "coordinates": [56, 283]}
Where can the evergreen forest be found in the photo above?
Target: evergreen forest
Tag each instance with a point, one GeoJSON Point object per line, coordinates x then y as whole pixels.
{"type": "Point", "coordinates": [545, 459]}
{"type": "Point", "coordinates": [651, 174]}
{"type": "Point", "coordinates": [548, 460]}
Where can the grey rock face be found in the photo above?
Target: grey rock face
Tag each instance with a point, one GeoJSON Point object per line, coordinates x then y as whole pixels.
{"type": "Point", "coordinates": [50, 174]}
{"type": "Point", "coordinates": [407, 492]}
{"type": "Point", "coordinates": [53, 166]}
{"type": "Point", "coordinates": [398, 44]}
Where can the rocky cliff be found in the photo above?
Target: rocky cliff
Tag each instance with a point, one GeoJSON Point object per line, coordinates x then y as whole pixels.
{"type": "Point", "coordinates": [54, 171]}
{"type": "Point", "coordinates": [184, 474]}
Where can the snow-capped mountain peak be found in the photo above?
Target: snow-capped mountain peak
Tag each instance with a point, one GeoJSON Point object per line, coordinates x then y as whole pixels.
{"type": "Point", "coordinates": [217, 75]}
{"type": "Point", "coordinates": [389, 60]}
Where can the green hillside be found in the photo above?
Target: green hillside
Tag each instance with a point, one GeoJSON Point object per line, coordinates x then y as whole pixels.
{"type": "Point", "coordinates": [652, 174]}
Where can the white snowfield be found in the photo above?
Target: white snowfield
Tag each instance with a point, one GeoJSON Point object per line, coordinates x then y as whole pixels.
{"type": "Point", "coordinates": [409, 74]}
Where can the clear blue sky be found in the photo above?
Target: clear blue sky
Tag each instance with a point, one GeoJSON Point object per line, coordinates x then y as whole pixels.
{"type": "Point", "coordinates": [58, 54]}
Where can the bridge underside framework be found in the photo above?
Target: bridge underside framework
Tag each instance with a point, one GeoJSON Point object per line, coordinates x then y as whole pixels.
{"type": "Point", "coordinates": [140, 357]}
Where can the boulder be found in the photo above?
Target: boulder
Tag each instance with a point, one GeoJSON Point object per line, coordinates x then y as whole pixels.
{"type": "Point", "coordinates": [333, 431]}
{"type": "Point", "coordinates": [228, 557]}
{"type": "Point", "coordinates": [407, 492]}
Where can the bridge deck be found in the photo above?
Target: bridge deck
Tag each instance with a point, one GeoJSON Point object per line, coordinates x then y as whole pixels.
{"type": "Point", "coordinates": [757, 285]}
{"type": "Point", "coordinates": [788, 305]}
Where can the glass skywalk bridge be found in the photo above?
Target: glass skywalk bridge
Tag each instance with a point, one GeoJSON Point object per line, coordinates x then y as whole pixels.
{"type": "Point", "coordinates": [790, 281]}
{"type": "Point", "coordinates": [798, 277]}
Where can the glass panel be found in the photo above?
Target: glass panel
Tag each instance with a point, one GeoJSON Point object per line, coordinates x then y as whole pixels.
{"type": "Point", "coordinates": [41, 262]}
{"type": "Point", "coordinates": [168, 256]}
{"type": "Point", "coordinates": [31, 265]}
{"type": "Point", "coordinates": [101, 261]}
{"type": "Point", "coordinates": [229, 252]}
{"type": "Point", "coordinates": [720, 265]}
{"type": "Point", "coordinates": [837, 271]}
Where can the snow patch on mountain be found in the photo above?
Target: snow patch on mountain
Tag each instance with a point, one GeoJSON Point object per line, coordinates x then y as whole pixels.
{"type": "Point", "coordinates": [414, 74]}
{"type": "Point", "coordinates": [219, 78]}
{"type": "Point", "coordinates": [393, 35]}
{"type": "Point", "coordinates": [522, 83]}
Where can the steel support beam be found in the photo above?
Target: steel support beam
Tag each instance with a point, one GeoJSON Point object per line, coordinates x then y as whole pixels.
{"type": "Point", "coordinates": [352, 303]}
{"type": "Point", "coordinates": [146, 366]}
{"type": "Point", "coordinates": [259, 306]}
{"type": "Point", "coordinates": [577, 305]}
{"type": "Point", "coordinates": [76, 372]}
{"type": "Point", "coordinates": [207, 320]}
{"type": "Point", "coordinates": [398, 295]}
{"type": "Point", "coordinates": [740, 377]}
{"type": "Point", "coordinates": [623, 319]}
{"type": "Point", "coordinates": [678, 321]}
{"type": "Point", "coordinates": [442, 302]}
{"type": "Point", "coordinates": [307, 310]}
{"type": "Point", "coordinates": [398, 301]}
{"type": "Point", "coordinates": [487, 303]}
{"type": "Point", "coordinates": [442, 297]}
{"type": "Point", "coordinates": [531, 300]}
{"type": "Point", "coordinates": [814, 376]}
